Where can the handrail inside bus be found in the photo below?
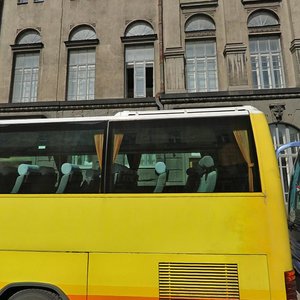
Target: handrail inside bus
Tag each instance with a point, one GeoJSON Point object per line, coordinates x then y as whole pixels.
{"type": "Point", "coordinates": [286, 146]}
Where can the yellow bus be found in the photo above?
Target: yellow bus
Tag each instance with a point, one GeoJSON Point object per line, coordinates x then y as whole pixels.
{"type": "Point", "coordinates": [177, 205]}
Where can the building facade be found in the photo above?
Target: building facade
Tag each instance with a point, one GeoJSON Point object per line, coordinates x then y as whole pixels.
{"type": "Point", "coordinates": [89, 57]}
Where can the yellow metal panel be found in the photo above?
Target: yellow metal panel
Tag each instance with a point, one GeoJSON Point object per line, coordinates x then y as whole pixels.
{"type": "Point", "coordinates": [135, 223]}
{"type": "Point", "coordinates": [136, 275]}
{"type": "Point", "coordinates": [275, 216]}
{"type": "Point", "coordinates": [68, 271]}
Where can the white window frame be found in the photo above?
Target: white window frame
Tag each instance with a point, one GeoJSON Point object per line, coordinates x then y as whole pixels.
{"type": "Point", "coordinates": [81, 64]}
{"type": "Point", "coordinates": [142, 64]}
{"type": "Point", "coordinates": [82, 83]}
{"type": "Point", "coordinates": [205, 74]}
{"type": "Point", "coordinates": [26, 66]}
{"type": "Point", "coordinates": [262, 62]}
{"type": "Point", "coordinates": [25, 82]}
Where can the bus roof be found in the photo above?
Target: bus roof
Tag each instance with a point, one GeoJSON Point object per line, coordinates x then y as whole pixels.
{"type": "Point", "coordinates": [144, 115]}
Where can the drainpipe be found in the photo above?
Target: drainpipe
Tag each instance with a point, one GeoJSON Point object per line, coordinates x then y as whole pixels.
{"type": "Point", "coordinates": [161, 54]}
{"type": "Point", "coordinates": [1, 13]}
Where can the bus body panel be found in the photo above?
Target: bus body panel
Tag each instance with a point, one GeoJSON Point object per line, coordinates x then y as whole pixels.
{"type": "Point", "coordinates": [136, 223]}
{"type": "Point", "coordinates": [68, 271]}
{"type": "Point", "coordinates": [160, 226]}
{"type": "Point", "coordinates": [127, 246]}
{"type": "Point", "coordinates": [138, 276]}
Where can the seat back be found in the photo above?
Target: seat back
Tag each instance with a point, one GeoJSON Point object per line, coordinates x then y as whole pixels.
{"type": "Point", "coordinates": [161, 171]}
{"type": "Point", "coordinates": [71, 180]}
{"type": "Point", "coordinates": [26, 182]}
{"type": "Point", "coordinates": [8, 176]}
{"type": "Point", "coordinates": [47, 181]}
{"type": "Point", "coordinates": [193, 180]}
{"type": "Point", "coordinates": [126, 181]}
{"type": "Point", "coordinates": [92, 181]}
{"type": "Point", "coordinates": [208, 179]}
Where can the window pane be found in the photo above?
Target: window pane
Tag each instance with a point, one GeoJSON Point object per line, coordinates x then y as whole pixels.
{"type": "Point", "coordinates": [139, 29]}
{"type": "Point", "coordinates": [43, 153]}
{"type": "Point", "coordinates": [201, 68]}
{"type": "Point", "coordinates": [266, 62]}
{"type": "Point", "coordinates": [83, 33]}
{"type": "Point", "coordinates": [149, 81]}
{"type": "Point", "coordinates": [139, 71]}
{"type": "Point", "coordinates": [198, 23]}
{"type": "Point", "coordinates": [262, 18]}
{"type": "Point", "coordinates": [180, 145]}
{"type": "Point", "coordinates": [81, 75]}
{"type": "Point", "coordinates": [25, 77]}
{"type": "Point", "coordinates": [29, 37]}
{"type": "Point", "coordinates": [140, 80]}
{"type": "Point", "coordinates": [263, 45]}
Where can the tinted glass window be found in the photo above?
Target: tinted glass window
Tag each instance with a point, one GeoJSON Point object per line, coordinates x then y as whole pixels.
{"type": "Point", "coordinates": [182, 156]}
{"type": "Point", "coordinates": [58, 158]}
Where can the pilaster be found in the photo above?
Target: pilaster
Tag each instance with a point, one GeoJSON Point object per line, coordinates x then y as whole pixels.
{"type": "Point", "coordinates": [235, 55]}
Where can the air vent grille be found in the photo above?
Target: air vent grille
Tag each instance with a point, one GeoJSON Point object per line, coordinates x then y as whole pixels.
{"type": "Point", "coordinates": [184, 281]}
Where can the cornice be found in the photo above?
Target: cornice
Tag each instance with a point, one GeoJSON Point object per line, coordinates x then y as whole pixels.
{"type": "Point", "coordinates": [199, 4]}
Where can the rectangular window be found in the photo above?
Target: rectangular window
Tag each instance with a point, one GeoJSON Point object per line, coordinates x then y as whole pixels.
{"type": "Point", "coordinates": [177, 156]}
{"type": "Point", "coordinates": [139, 71]}
{"type": "Point", "coordinates": [81, 74]}
{"type": "Point", "coordinates": [51, 158]}
{"type": "Point", "coordinates": [25, 82]}
{"type": "Point", "coordinates": [201, 66]}
{"type": "Point", "coordinates": [266, 63]}
{"type": "Point", "coordinates": [38, 1]}
{"type": "Point", "coordinates": [22, 1]}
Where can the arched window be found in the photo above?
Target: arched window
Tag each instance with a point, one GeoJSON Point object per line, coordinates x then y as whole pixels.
{"type": "Point", "coordinates": [282, 134]}
{"type": "Point", "coordinates": [139, 28]}
{"type": "Point", "coordinates": [139, 59]}
{"type": "Point", "coordinates": [199, 23]}
{"type": "Point", "coordinates": [82, 63]}
{"type": "Point", "coordinates": [29, 36]}
{"type": "Point", "coordinates": [82, 33]}
{"type": "Point", "coordinates": [265, 50]}
{"type": "Point", "coordinates": [262, 18]}
{"type": "Point", "coordinates": [201, 55]}
{"type": "Point", "coordinates": [26, 66]}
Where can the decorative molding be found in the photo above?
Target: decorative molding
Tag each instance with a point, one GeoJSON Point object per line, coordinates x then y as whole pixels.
{"type": "Point", "coordinates": [295, 45]}
{"type": "Point", "coordinates": [139, 39]}
{"type": "Point", "coordinates": [277, 111]}
{"type": "Point", "coordinates": [199, 4]}
{"type": "Point", "coordinates": [174, 51]}
{"type": "Point", "coordinates": [57, 106]}
{"type": "Point", "coordinates": [234, 48]}
{"type": "Point", "coordinates": [200, 34]}
{"type": "Point", "coordinates": [27, 47]}
{"type": "Point", "coordinates": [232, 97]}
{"type": "Point", "coordinates": [264, 30]}
{"type": "Point", "coordinates": [247, 2]}
{"type": "Point", "coordinates": [83, 43]}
